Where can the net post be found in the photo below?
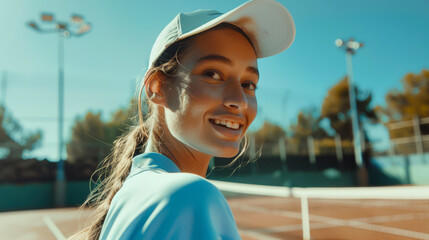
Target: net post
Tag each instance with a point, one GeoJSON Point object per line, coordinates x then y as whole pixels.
{"type": "Point", "coordinates": [305, 218]}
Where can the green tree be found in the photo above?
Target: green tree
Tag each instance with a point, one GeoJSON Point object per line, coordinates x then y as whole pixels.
{"type": "Point", "coordinates": [88, 139]}
{"type": "Point", "coordinates": [121, 120]}
{"type": "Point", "coordinates": [336, 108]}
{"type": "Point", "coordinates": [13, 139]}
{"type": "Point", "coordinates": [307, 125]}
{"type": "Point", "coordinates": [268, 133]}
{"type": "Point", "coordinates": [267, 138]}
{"type": "Point", "coordinates": [92, 138]}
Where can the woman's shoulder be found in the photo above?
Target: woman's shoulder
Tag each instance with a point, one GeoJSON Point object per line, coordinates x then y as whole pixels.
{"type": "Point", "coordinates": [150, 200]}
{"type": "Point", "coordinates": [160, 185]}
{"type": "Point", "coordinates": [156, 205]}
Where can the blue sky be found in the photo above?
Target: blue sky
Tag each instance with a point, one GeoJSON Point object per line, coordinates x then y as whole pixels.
{"type": "Point", "coordinates": [101, 67]}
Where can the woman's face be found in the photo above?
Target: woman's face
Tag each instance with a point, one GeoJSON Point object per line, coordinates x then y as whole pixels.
{"type": "Point", "coordinates": [212, 101]}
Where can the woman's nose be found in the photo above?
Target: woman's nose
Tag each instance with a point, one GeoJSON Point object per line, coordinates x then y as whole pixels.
{"type": "Point", "coordinates": [235, 97]}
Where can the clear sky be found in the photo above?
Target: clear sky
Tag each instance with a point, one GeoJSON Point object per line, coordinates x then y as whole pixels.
{"type": "Point", "coordinates": [101, 67]}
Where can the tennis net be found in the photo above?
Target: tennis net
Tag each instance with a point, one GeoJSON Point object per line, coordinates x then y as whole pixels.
{"type": "Point", "coordinates": [272, 212]}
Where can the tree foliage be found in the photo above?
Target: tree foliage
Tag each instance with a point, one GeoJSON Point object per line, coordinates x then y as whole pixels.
{"type": "Point", "coordinates": [14, 140]}
{"type": "Point", "coordinates": [92, 138]}
{"type": "Point", "coordinates": [307, 125]}
{"type": "Point", "coordinates": [267, 137]}
{"type": "Point", "coordinates": [336, 108]}
{"type": "Point", "coordinates": [407, 104]}
{"type": "Point", "coordinates": [412, 101]}
{"type": "Point", "coordinates": [268, 133]}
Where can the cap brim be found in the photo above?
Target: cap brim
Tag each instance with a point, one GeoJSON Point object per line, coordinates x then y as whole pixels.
{"type": "Point", "coordinates": [268, 24]}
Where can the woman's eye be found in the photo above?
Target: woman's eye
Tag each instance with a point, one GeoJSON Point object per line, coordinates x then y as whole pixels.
{"type": "Point", "coordinates": [214, 75]}
{"type": "Point", "coordinates": [250, 86]}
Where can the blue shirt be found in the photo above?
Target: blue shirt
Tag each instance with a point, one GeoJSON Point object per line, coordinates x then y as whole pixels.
{"type": "Point", "coordinates": [158, 202]}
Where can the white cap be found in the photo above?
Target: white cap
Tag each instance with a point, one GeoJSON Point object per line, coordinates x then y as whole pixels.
{"type": "Point", "coordinates": [267, 23]}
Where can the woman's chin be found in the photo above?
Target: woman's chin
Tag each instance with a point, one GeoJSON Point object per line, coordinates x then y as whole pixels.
{"type": "Point", "coordinates": [228, 153]}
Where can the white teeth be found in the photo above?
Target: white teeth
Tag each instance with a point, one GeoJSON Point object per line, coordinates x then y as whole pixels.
{"type": "Point", "coordinates": [228, 124]}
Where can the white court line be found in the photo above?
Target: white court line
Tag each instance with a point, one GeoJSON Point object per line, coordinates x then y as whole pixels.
{"type": "Point", "coordinates": [53, 228]}
{"type": "Point", "coordinates": [341, 222]}
{"type": "Point", "coordinates": [305, 219]}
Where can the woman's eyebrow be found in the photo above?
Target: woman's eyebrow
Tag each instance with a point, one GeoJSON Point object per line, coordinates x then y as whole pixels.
{"type": "Point", "coordinates": [253, 70]}
{"type": "Point", "coordinates": [214, 57]}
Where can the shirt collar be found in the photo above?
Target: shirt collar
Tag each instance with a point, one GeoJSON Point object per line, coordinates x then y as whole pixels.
{"type": "Point", "coordinates": [152, 161]}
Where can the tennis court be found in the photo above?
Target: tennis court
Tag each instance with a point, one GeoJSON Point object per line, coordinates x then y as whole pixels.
{"type": "Point", "coordinates": [282, 217]}
{"type": "Point", "coordinates": [277, 218]}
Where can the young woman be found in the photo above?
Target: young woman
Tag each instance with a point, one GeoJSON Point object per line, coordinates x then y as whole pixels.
{"type": "Point", "coordinates": [200, 95]}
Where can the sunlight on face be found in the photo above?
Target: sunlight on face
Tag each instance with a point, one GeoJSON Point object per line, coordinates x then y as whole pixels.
{"type": "Point", "coordinates": [215, 101]}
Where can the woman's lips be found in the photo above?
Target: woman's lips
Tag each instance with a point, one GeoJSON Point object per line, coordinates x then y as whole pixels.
{"type": "Point", "coordinates": [233, 134]}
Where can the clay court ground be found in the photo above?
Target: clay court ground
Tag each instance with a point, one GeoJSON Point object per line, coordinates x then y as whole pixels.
{"type": "Point", "coordinates": [266, 218]}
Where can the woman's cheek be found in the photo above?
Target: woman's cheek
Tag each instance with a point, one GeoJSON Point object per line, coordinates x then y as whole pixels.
{"type": "Point", "coordinates": [252, 109]}
{"type": "Point", "coordinates": [206, 96]}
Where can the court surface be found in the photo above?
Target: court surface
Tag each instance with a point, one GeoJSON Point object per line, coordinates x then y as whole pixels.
{"type": "Point", "coordinates": [266, 218]}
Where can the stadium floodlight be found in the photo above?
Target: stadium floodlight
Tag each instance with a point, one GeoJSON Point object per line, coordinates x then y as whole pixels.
{"type": "Point", "coordinates": [339, 42]}
{"type": "Point", "coordinates": [63, 30]}
{"type": "Point", "coordinates": [47, 17]}
{"type": "Point", "coordinates": [34, 26]}
{"type": "Point", "coordinates": [77, 19]}
{"type": "Point", "coordinates": [76, 26]}
{"type": "Point", "coordinates": [350, 48]}
{"type": "Point", "coordinates": [61, 26]}
{"type": "Point", "coordinates": [83, 28]}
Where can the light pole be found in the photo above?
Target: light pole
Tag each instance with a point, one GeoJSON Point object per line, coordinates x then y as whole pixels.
{"type": "Point", "coordinates": [350, 48]}
{"type": "Point", "coordinates": [76, 27]}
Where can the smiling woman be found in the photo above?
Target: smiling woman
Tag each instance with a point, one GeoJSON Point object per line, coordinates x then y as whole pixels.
{"type": "Point", "coordinates": [200, 92]}
{"type": "Point", "coordinates": [217, 95]}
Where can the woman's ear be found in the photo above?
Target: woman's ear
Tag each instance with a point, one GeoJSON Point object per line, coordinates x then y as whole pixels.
{"type": "Point", "coordinates": [155, 88]}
